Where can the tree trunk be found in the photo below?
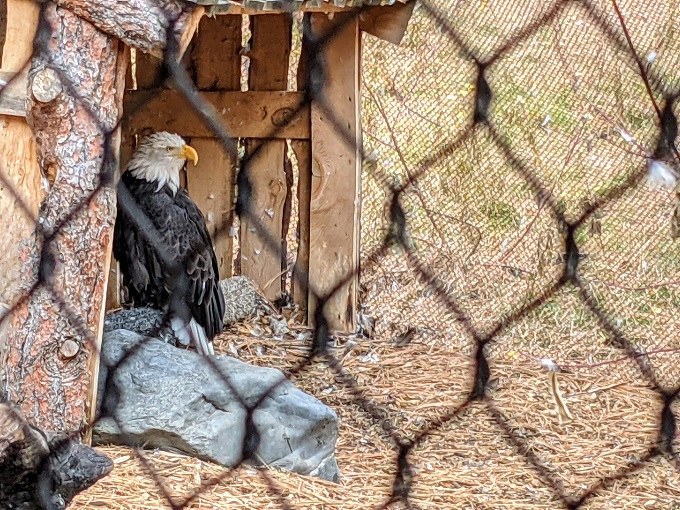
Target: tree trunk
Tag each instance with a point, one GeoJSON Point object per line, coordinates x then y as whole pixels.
{"type": "Point", "coordinates": [39, 471]}
{"type": "Point", "coordinates": [50, 360]}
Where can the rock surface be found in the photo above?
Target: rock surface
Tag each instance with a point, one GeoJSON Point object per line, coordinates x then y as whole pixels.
{"type": "Point", "coordinates": [166, 397]}
{"type": "Point", "coordinates": [142, 320]}
{"type": "Point", "coordinates": [40, 470]}
{"type": "Point", "coordinates": [241, 299]}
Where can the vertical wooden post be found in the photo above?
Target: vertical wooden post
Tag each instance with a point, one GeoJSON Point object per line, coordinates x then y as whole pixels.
{"type": "Point", "coordinates": [17, 145]}
{"type": "Point", "coordinates": [113, 286]}
{"type": "Point", "coordinates": [303, 154]}
{"type": "Point", "coordinates": [216, 61]}
{"type": "Point", "coordinates": [269, 54]}
{"type": "Point", "coordinates": [336, 173]}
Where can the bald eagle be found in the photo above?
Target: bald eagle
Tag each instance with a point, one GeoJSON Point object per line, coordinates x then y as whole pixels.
{"type": "Point", "coordinates": [152, 179]}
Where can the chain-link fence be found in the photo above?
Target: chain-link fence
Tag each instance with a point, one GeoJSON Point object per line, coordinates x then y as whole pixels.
{"type": "Point", "coordinates": [506, 220]}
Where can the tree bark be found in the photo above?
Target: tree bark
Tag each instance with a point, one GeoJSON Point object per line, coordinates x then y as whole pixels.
{"type": "Point", "coordinates": [141, 24]}
{"type": "Point", "coordinates": [49, 377]}
{"type": "Point", "coordinates": [39, 471]}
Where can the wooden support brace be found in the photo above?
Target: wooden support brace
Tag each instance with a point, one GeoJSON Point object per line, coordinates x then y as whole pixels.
{"type": "Point", "coordinates": [336, 172]}
{"type": "Point", "coordinates": [216, 61]}
{"type": "Point", "coordinates": [58, 392]}
{"type": "Point", "coordinates": [266, 166]}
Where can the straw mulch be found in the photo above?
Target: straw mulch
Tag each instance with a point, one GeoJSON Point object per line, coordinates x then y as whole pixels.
{"type": "Point", "coordinates": [467, 463]}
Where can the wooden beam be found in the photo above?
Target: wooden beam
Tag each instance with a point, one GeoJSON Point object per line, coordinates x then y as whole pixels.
{"type": "Point", "coordinates": [336, 172]}
{"type": "Point", "coordinates": [263, 262]}
{"type": "Point", "coordinates": [216, 62]}
{"type": "Point", "coordinates": [325, 8]}
{"type": "Point", "coordinates": [19, 163]}
{"type": "Point", "coordinates": [387, 22]}
{"type": "Point", "coordinates": [244, 114]}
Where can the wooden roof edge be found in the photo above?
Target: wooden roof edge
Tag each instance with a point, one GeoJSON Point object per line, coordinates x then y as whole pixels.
{"type": "Point", "coordinates": [385, 19]}
{"type": "Point", "coordinates": [214, 7]}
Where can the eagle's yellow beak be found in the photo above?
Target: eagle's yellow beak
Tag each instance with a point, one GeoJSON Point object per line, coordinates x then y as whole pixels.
{"type": "Point", "coordinates": [188, 152]}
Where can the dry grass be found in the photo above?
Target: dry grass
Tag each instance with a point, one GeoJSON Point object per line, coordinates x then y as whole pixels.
{"type": "Point", "coordinates": [467, 464]}
{"type": "Point", "coordinates": [477, 225]}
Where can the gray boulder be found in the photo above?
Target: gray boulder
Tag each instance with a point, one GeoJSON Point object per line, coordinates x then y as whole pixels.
{"type": "Point", "coordinates": [164, 397]}
{"type": "Point", "coordinates": [241, 299]}
{"type": "Point", "coordinates": [142, 320]}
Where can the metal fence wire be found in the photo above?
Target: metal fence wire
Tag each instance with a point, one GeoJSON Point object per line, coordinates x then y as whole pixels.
{"type": "Point", "coordinates": [506, 151]}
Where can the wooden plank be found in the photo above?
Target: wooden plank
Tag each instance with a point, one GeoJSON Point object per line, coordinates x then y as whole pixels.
{"type": "Point", "coordinates": [216, 61]}
{"type": "Point", "coordinates": [122, 61]}
{"type": "Point", "coordinates": [336, 167]}
{"type": "Point", "coordinates": [19, 164]}
{"type": "Point", "coordinates": [217, 53]}
{"type": "Point", "coordinates": [13, 97]}
{"type": "Point", "coordinates": [244, 114]}
{"type": "Point", "coordinates": [387, 22]}
{"type": "Point", "coordinates": [263, 262]}
{"type": "Point", "coordinates": [303, 154]}
{"type": "Point", "coordinates": [211, 186]}
{"type": "Point", "coordinates": [299, 285]}
{"type": "Point", "coordinates": [115, 280]}
{"type": "Point", "coordinates": [148, 71]}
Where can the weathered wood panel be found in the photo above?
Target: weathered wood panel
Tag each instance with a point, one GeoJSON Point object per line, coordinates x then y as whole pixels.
{"type": "Point", "coordinates": [19, 164]}
{"type": "Point", "coordinates": [265, 264]}
{"type": "Point", "coordinates": [244, 114]}
{"type": "Point", "coordinates": [336, 167]}
{"type": "Point", "coordinates": [216, 61]}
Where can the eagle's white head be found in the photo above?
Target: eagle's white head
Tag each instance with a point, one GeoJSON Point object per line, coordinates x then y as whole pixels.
{"type": "Point", "coordinates": [160, 157]}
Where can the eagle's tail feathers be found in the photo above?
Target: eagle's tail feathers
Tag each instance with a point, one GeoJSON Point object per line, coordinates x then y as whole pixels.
{"type": "Point", "coordinates": [192, 333]}
{"type": "Point", "coordinates": [201, 342]}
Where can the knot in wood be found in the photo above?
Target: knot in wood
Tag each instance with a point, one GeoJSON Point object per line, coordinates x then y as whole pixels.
{"type": "Point", "coordinates": [69, 349]}
{"type": "Point", "coordinates": [282, 117]}
{"type": "Point", "coordinates": [46, 85]}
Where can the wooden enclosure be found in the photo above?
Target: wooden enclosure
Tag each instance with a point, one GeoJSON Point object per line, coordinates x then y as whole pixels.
{"type": "Point", "coordinates": [328, 165]}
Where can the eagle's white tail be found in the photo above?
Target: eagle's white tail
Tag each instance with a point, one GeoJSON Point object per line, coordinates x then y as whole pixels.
{"type": "Point", "coordinates": [193, 333]}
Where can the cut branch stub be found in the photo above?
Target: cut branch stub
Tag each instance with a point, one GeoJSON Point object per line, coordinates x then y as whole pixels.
{"type": "Point", "coordinates": [46, 85]}
{"type": "Point", "coordinates": [69, 349]}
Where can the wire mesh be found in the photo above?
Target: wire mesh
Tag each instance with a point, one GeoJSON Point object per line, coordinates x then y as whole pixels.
{"type": "Point", "coordinates": [505, 212]}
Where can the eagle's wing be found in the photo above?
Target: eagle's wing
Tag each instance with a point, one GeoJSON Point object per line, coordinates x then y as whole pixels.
{"type": "Point", "coordinates": [182, 231]}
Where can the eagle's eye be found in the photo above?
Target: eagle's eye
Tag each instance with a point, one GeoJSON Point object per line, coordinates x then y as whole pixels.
{"type": "Point", "coordinates": [169, 149]}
